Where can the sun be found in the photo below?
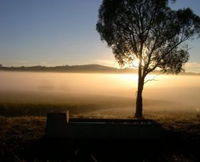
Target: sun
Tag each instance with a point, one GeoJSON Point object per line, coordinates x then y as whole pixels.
{"type": "Point", "coordinates": [136, 63]}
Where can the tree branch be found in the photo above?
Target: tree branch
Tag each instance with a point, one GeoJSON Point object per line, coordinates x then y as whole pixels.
{"type": "Point", "coordinates": [153, 79]}
{"type": "Point", "coordinates": [164, 55]}
{"type": "Point", "coordinates": [149, 80]}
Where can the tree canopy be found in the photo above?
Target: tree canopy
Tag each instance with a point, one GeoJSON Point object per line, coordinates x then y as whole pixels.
{"type": "Point", "coordinates": [149, 30]}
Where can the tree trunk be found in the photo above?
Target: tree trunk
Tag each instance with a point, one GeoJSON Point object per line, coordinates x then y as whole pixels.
{"type": "Point", "coordinates": [139, 102]}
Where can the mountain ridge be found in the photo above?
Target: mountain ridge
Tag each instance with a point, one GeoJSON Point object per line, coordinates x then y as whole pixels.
{"type": "Point", "coordinates": [90, 68]}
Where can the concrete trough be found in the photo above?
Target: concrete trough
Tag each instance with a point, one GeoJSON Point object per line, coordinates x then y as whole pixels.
{"type": "Point", "coordinates": [58, 126]}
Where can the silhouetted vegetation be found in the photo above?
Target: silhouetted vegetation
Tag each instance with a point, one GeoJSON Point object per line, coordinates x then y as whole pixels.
{"type": "Point", "coordinates": [66, 68]}
{"type": "Point", "coordinates": [90, 68]}
{"type": "Point", "coordinates": [149, 31]}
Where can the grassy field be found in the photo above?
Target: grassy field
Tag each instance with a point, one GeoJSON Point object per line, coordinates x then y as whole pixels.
{"type": "Point", "coordinates": [26, 98]}
{"type": "Point", "coordinates": [21, 125]}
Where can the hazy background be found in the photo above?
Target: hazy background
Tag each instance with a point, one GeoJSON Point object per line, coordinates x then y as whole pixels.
{"type": "Point", "coordinates": [60, 32]}
{"type": "Point", "coordinates": [107, 93]}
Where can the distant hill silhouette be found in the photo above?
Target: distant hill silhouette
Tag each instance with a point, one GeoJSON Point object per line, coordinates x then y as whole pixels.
{"type": "Point", "coordinates": [67, 68]}
{"type": "Point", "coordinates": [88, 68]}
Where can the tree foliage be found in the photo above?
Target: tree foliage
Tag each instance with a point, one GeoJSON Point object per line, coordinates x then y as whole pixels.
{"type": "Point", "coordinates": [148, 30]}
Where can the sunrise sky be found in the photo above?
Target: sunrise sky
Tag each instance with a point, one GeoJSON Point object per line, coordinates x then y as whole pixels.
{"type": "Point", "coordinates": [60, 32]}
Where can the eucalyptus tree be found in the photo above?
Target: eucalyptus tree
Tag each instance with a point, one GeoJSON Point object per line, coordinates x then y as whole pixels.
{"type": "Point", "coordinates": [150, 31]}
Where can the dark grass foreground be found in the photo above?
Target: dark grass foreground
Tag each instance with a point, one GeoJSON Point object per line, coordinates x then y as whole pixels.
{"type": "Point", "coordinates": [22, 139]}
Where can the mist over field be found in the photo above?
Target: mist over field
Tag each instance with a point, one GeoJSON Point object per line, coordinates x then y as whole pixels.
{"type": "Point", "coordinates": [105, 92]}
